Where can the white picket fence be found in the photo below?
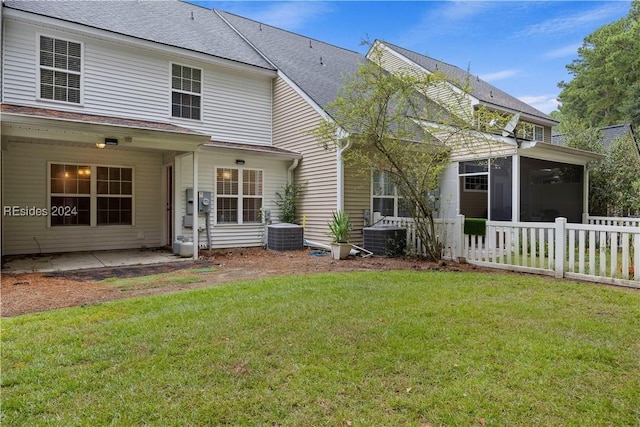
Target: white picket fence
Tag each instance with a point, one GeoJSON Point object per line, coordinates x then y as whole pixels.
{"type": "Point", "coordinates": [615, 221]}
{"type": "Point", "coordinates": [592, 252]}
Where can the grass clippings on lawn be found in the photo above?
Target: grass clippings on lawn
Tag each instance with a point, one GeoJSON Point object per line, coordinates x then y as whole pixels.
{"type": "Point", "coordinates": [367, 348]}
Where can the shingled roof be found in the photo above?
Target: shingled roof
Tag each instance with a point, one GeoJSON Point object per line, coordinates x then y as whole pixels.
{"type": "Point", "coordinates": [172, 23]}
{"type": "Point", "coordinates": [317, 68]}
{"type": "Point", "coordinates": [483, 91]}
{"type": "Point", "coordinates": [608, 134]}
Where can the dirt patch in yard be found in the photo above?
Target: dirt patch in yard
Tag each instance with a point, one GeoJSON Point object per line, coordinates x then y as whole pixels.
{"type": "Point", "coordinates": [34, 292]}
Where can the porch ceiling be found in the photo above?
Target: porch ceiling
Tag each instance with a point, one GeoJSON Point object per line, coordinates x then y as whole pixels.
{"type": "Point", "coordinates": [87, 130]}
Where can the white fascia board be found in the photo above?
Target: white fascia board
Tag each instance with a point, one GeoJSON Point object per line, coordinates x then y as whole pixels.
{"type": "Point", "coordinates": [476, 133]}
{"type": "Point", "coordinates": [558, 153]}
{"type": "Point", "coordinates": [474, 100]}
{"type": "Point", "coordinates": [529, 118]}
{"type": "Point", "coordinates": [113, 37]}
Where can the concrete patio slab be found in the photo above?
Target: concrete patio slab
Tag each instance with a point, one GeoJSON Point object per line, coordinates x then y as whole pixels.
{"type": "Point", "coordinates": [83, 260]}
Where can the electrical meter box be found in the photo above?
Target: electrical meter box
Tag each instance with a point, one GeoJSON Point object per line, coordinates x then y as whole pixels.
{"type": "Point", "coordinates": [204, 201]}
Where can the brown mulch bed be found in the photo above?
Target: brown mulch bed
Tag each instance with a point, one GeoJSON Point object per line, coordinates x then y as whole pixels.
{"type": "Point", "coordinates": [34, 292]}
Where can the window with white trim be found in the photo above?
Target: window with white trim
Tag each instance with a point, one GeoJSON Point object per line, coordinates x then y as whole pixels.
{"type": "Point", "coordinates": [186, 90]}
{"type": "Point", "coordinates": [476, 175]}
{"type": "Point", "coordinates": [385, 198]}
{"type": "Point", "coordinates": [115, 195]}
{"type": "Point", "coordinates": [60, 69]}
{"type": "Point", "coordinates": [530, 132]}
{"type": "Point", "coordinates": [90, 195]}
{"type": "Point", "coordinates": [239, 195]}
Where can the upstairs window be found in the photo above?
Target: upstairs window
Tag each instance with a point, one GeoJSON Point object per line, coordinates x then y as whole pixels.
{"type": "Point", "coordinates": [530, 132]}
{"type": "Point", "coordinates": [186, 89]}
{"type": "Point", "coordinates": [60, 69]}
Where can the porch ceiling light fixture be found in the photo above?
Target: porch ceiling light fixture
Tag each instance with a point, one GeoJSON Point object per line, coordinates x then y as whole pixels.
{"type": "Point", "coordinates": [100, 144]}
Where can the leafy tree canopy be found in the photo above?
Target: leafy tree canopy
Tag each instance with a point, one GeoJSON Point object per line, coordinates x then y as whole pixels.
{"type": "Point", "coordinates": [399, 123]}
{"type": "Point", "coordinates": [605, 89]}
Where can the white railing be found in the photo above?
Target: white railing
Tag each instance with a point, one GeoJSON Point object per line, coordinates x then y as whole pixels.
{"type": "Point", "coordinates": [519, 246]}
{"type": "Point", "coordinates": [448, 232]}
{"type": "Point", "coordinates": [605, 252]}
{"type": "Point", "coordinates": [599, 253]}
{"type": "Point", "coordinates": [593, 252]}
{"type": "Point", "coordinates": [614, 221]}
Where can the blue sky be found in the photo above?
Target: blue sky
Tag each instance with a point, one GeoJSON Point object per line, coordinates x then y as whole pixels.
{"type": "Point", "coordinates": [522, 47]}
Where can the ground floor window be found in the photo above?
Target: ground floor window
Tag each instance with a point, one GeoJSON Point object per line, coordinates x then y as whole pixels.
{"type": "Point", "coordinates": [385, 198]}
{"type": "Point", "coordinates": [90, 195]}
{"type": "Point", "coordinates": [239, 195]}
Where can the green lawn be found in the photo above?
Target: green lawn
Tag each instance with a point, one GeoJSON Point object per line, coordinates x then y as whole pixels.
{"type": "Point", "coordinates": [361, 349]}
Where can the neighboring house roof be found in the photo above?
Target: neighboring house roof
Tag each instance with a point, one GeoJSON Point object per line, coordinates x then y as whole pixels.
{"type": "Point", "coordinates": [483, 91]}
{"type": "Point", "coordinates": [172, 23]}
{"type": "Point", "coordinates": [607, 135]}
{"type": "Point", "coordinates": [317, 68]}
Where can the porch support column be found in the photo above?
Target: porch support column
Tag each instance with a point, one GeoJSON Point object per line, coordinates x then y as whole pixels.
{"type": "Point", "coordinates": [196, 218]}
{"type": "Point", "coordinates": [515, 188]}
{"type": "Point", "coordinates": [179, 198]}
{"type": "Point", "coordinates": [585, 195]}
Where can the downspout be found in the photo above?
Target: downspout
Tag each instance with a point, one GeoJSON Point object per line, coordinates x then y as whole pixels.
{"type": "Point", "coordinates": [294, 165]}
{"type": "Point", "coordinates": [340, 167]}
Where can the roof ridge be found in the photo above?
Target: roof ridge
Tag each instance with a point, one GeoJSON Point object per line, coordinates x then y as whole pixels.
{"type": "Point", "coordinates": [287, 31]}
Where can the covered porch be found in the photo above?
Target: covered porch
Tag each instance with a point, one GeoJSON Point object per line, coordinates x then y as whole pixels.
{"type": "Point", "coordinates": [75, 182]}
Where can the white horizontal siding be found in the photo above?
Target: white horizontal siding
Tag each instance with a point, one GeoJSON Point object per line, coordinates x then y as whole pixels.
{"type": "Point", "coordinates": [441, 92]}
{"type": "Point", "coordinates": [124, 81]}
{"type": "Point", "coordinates": [229, 235]}
{"type": "Point", "coordinates": [293, 118]}
{"type": "Point", "coordinates": [24, 170]}
{"type": "Point", "coordinates": [357, 198]}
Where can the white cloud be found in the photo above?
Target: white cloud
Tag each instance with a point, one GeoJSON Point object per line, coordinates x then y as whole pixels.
{"type": "Point", "coordinates": [563, 52]}
{"type": "Point", "coordinates": [601, 14]}
{"type": "Point", "coordinates": [499, 75]}
{"type": "Point", "coordinates": [544, 103]}
{"type": "Point", "coordinates": [292, 16]}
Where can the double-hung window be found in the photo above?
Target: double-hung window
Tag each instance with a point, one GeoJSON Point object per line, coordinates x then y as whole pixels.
{"type": "Point", "coordinates": [530, 132]}
{"type": "Point", "coordinates": [114, 195]}
{"type": "Point", "coordinates": [186, 92]}
{"type": "Point", "coordinates": [239, 194]}
{"type": "Point", "coordinates": [90, 195]}
{"type": "Point", "coordinates": [60, 70]}
{"type": "Point", "coordinates": [70, 195]}
{"type": "Point", "coordinates": [385, 197]}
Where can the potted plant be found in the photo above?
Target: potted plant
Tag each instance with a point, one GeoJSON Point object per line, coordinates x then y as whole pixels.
{"type": "Point", "coordinates": [339, 229]}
